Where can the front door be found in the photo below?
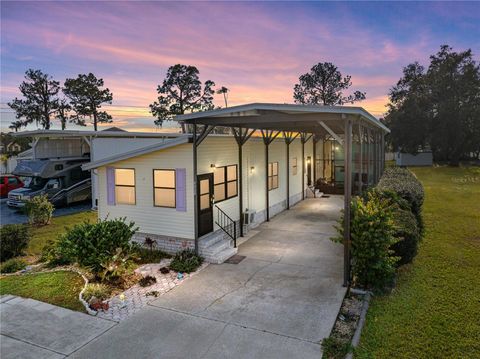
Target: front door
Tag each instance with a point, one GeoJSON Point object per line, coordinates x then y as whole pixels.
{"type": "Point", "coordinates": [309, 170]}
{"type": "Point", "coordinates": [205, 203]}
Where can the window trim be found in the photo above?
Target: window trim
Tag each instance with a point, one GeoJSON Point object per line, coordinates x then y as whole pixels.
{"type": "Point", "coordinates": [272, 176]}
{"type": "Point", "coordinates": [226, 182]}
{"type": "Point", "coordinates": [174, 188]}
{"type": "Point", "coordinates": [122, 185]}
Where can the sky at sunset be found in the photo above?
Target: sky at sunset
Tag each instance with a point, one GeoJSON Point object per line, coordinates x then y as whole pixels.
{"type": "Point", "coordinates": [257, 50]}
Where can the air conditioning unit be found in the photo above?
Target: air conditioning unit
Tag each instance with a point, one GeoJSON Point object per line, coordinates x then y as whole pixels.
{"type": "Point", "coordinates": [248, 216]}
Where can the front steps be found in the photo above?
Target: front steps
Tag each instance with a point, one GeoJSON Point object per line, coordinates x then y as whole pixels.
{"type": "Point", "coordinates": [216, 248]}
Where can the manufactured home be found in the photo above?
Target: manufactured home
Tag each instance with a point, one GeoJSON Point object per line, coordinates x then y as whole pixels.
{"type": "Point", "coordinates": [203, 191]}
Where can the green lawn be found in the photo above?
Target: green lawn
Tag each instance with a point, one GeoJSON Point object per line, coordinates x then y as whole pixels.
{"type": "Point", "coordinates": [434, 312]}
{"type": "Point", "coordinates": [58, 288]}
{"type": "Point", "coordinates": [40, 235]}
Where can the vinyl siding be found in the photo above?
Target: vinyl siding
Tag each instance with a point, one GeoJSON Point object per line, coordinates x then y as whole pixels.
{"type": "Point", "coordinates": [151, 219]}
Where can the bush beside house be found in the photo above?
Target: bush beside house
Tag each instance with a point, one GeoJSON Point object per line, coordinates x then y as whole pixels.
{"type": "Point", "coordinates": [13, 240]}
{"type": "Point", "coordinates": [386, 227]}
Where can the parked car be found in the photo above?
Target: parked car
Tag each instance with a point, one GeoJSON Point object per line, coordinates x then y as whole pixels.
{"type": "Point", "coordinates": [8, 183]}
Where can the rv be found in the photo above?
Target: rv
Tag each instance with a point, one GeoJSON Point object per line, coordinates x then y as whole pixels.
{"type": "Point", "coordinates": [62, 180]}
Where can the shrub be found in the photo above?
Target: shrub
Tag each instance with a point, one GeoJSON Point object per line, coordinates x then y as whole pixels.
{"type": "Point", "coordinates": [405, 184]}
{"type": "Point", "coordinates": [94, 245]}
{"type": "Point", "coordinates": [147, 281]}
{"type": "Point", "coordinates": [14, 239]}
{"type": "Point", "coordinates": [97, 290]}
{"type": "Point", "coordinates": [13, 265]}
{"type": "Point", "coordinates": [186, 261]}
{"type": "Point", "coordinates": [39, 210]}
{"type": "Point", "coordinates": [405, 225]}
{"type": "Point", "coordinates": [407, 233]}
{"type": "Point", "coordinates": [371, 231]}
{"type": "Point", "coordinates": [145, 255]}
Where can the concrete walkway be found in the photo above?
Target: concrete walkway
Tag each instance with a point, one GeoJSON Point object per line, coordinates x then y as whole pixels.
{"type": "Point", "coordinates": [33, 329]}
{"type": "Point", "coordinates": [278, 302]}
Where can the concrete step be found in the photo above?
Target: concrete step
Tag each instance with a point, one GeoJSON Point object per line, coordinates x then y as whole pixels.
{"type": "Point", "coordinates": [209, 241]}
{"type": "Point", "coordinates": [222, 256]}
{"type": "Point", "coordinates": [216, 247]}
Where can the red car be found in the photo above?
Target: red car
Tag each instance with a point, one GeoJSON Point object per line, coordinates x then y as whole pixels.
{"type": "Point", "coordinates": [9, 182]}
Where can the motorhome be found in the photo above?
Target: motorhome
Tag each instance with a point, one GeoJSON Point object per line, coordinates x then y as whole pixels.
{"type": "Point", "coordinates": [62, 180]}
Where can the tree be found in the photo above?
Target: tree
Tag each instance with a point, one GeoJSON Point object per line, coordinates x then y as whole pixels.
{"type": "Point", "coordinates": [223, 91]}
{"type": "Point", "coordinates": [438, 108]}
{"type": "Point", "coordinates": [40, 101]}
{"type": "Point", "coordinates": [181, 92]}
{"type": "Point", "coordinates": [86, 97]}
{"type": "Point", "coordinates": [324, 84]}
{"type": "Point", "coordinates": [63, 112]}
{"type": "Point", "coordinates": [406, 117]}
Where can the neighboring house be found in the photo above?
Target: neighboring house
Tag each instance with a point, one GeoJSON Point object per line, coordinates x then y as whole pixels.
{"type": "Point", "coordinates": [203, 190]}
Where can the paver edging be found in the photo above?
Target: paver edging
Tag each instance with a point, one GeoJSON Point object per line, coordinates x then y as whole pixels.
{"type": "Point", "coordinates": [361, 321]}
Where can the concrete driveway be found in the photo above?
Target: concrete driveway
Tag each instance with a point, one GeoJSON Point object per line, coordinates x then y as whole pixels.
{"type": "Point", "coordinates": [278, 302]}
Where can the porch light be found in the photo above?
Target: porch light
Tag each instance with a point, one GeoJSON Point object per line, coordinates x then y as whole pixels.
{"type": "Point", "coordinates": [213, 165]}
{"type": "Point", "coordinates": [252, 170]}
{"type": "Point", "coordinates": [308, 161]}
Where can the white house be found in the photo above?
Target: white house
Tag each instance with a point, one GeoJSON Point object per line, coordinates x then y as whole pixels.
{"type": "Point", "coordinates": [202, 190]}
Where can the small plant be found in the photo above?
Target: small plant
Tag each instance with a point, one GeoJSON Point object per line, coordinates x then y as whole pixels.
{"type": "Point", "coordinates": [186, 261]}
{"type": "Point", "coordinates": [97, 290]}
{"type": "Point", "coordinates": [14, 239]}
{"type": "Point", "coordinates": [145, 255]}
{"type": "Point", "coordinates": [164, 270]}
{"type": "Point", "coordinates": [150, 243]}
{"type": "Point", "coordinates": [39, 210]}
{"type": "Point", "coordinates": [13, 265]}
{"type": "Point", "coordinates": [147, 281]}
{"type": "Point", "coordinates": [116, 267]}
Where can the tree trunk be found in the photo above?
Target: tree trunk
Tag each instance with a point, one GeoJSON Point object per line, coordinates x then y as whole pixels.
{"type": "Point", "coordinates": [94, 120]}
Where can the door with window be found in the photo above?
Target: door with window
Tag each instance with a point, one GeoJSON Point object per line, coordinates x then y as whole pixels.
{"type": "Point", "coordinates": [205, 203]}
{"type": "Point", "coordinates": [309, 171]}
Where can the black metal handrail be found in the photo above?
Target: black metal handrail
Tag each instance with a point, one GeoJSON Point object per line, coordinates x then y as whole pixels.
{"type": "Point", "coordinates": [228, 225]}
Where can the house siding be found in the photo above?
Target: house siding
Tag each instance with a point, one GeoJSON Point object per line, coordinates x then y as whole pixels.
{"type": "Point", "coordinates": [150, 219]}
{"type": "Point", "coordinates": [174, 229]}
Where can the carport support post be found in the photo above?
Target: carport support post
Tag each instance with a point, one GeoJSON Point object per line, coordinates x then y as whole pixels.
{"type": "Point", "coordinates": [347, 200]}
{"type": "Point", "coordinates": [241, 137]}
{"type": "Point", "coordinates": [195, 194]}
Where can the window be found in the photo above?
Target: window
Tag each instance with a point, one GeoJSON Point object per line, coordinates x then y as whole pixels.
{"type": "Point", "coordinates": [272, 175]}
{"type": "Point", "coordinates": [294, 166]}
{"type": "Point", "coordinates": [225, 182]}
{"type": "Point", "coordinates": [125, 186]}
{"type": "Point", "coordinates": [12, 180]}
{"type": "Point", "coordinates": [164, 188]}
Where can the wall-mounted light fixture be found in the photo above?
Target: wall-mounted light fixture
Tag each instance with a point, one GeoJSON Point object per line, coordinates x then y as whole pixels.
{"type": "Point", "coordinates": [252, 170]}
{"type": "Point", "coordinates": [213, 165]}
{"type": "Point", "coordinates": [308, 161]}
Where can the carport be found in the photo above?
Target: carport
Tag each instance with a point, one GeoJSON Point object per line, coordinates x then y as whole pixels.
{"type": "Point", "coordinates": [359, 133]}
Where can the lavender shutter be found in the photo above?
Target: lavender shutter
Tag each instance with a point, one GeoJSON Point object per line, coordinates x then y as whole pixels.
{"type": "Point", "coordinates": [111, 186]}
{"type": "Point", "coordinates": [181, 189]}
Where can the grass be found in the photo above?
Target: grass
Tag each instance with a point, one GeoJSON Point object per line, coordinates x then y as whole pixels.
{"type": "Point", "coordinates": [434, 310]}
{"type": "Point", "coordinates": [41, 235]}
{"type": "Point", "coordinates": [58, 288]}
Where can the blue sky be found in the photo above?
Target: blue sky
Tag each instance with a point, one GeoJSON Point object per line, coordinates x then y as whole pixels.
{"type": "Point", "coordinates": [257, 50]}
